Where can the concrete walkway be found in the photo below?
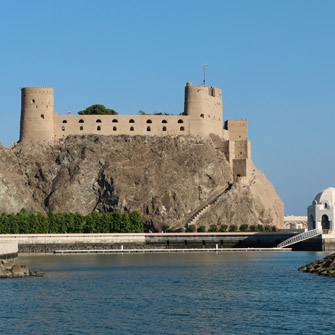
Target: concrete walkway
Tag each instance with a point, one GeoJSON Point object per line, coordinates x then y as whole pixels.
{"type": "Point", "coordinates": [133, 251]}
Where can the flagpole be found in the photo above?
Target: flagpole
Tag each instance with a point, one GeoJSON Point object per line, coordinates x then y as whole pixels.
{"type": "Point", "coordinates": [205, 74]}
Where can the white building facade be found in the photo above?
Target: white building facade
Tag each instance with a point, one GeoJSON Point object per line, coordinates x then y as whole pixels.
{"type": "Point", "coordinates": [321, 214]}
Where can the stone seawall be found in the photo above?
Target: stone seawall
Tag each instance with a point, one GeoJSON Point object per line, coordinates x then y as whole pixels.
{"type": "Point", "coordinates": [40, 243]}
{"type": "Point", "coordinates": [8, 249]}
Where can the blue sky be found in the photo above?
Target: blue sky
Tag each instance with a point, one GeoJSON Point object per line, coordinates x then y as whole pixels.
{"type": "Point", "coordinates": [274, 60]}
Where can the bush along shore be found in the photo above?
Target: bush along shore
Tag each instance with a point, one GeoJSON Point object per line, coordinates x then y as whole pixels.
{"type": "Point", "coordinates": [323, 267]}
{"type": "Point", "coordinates": [9, 269]}
{"type": "Point", "coordinates": [26, 222]}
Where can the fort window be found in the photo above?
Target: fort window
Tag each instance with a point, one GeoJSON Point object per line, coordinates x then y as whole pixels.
{"type": "Point", "coordinates": [42, 116]}
{"type": "Point", "coordinates": [64, 121]}
{"type": "Point", "coordinates": [98, 121]}
{"type": "Point", "coordinates": [63, 128]}
{"type": "Point", "coordinates": [114, 120]}
{"type": "Point", "coordinates": [180, 121]}
{"type": "Point", "coordinates": [98, 128]}
{"type": "Point", "coordinates": [182, 128]}
{"type": "Point", "coordinates": [164, 128]}
{"type": "Point", "coordinates": [164, 121]}
{"type": "Point", "coordinates": [149, 121]}
{"type": "Point", "coordinates": [33, 101]}
{"type": "Point", "coordinates": [202, 115]}
{"type": "Point", "coordinates": [81, 128]}
{"type": "Point", "coordinates": [114, 128]}
{"type": "Point", "coordinates": [148, 129]}
{"type": "Point", "coordinates": [131, 128]}
{"type": "Point", "coordinates": [131, 121]}
{"type": "Point", "coordinates": [81, 121]}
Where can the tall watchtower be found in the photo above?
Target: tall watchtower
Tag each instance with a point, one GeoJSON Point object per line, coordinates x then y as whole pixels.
{"type": "Point", "coordinates": [203, 102]}
{"type": "Point", "coordinates": [37, 119]}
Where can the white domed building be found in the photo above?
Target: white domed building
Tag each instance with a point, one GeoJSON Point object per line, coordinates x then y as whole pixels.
{"type": "Point", "coordinates": [321, 214]}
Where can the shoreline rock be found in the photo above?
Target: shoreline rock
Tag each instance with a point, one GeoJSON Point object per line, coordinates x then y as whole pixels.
{"type": "Point", "coordinates": [323, 267]}
{"type": "Point", "coordinates": [9, 269]}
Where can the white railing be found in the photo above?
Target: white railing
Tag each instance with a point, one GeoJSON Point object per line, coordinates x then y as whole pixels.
{"type": "Point", "coordinates": [300, 237]}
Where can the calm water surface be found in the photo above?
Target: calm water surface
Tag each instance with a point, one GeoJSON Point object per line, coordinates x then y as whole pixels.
{"type": "Point", "coordinates": [224, 293]}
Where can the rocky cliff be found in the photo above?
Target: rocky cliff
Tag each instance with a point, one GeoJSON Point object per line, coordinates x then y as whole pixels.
{"type": "Point", "coordinates": [165, 178]}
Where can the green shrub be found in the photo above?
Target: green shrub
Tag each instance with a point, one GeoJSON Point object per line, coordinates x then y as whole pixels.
{"type": "Point", "coordinates": [244, 227]}
{"type": "Point", "coordinates": [165, 227]}
{"type": "Point", "coordinates": [180, 230]}
{"type": "Point", "coordinates": [213, 228]}
{"type": "Point", "coordinates": [267, 228]}
{"type": "Point", "coordinates": [191, 228]}
{"type": "Point", "coordinates": [260, 227]}
{"type": "Point", "coordinates": [201, 229]}
{"type": "Point", "coordinates": [223, 228]}
{"type": "Point", "coordinates": [26, 222]}
{"type": "Point", "coordinates": [252, 228]}
{"type": "Point", "coordinates": [232, 228]}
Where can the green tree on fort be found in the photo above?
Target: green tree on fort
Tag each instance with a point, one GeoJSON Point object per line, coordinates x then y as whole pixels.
{"type": "Point", "coordinates": [140, 112]}
{"type": "Point", "coordinates": [97, 110]}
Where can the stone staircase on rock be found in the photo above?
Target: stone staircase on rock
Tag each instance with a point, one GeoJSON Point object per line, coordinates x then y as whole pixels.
{"type": "Point", "coordinates": [193, 218]}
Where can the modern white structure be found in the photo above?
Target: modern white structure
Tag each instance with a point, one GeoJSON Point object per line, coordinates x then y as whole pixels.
{"type": "Point", "coordinates": [321, 214]}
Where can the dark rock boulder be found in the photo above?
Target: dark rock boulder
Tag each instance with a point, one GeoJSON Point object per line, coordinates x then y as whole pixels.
{"type": "Point", "coordinates": [9, 269]}
{"type": "Point", "coordinates": [323, 267]}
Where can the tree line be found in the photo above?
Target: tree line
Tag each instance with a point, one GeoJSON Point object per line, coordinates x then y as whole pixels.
{"type": "Point", "coordinates": [27, 222]}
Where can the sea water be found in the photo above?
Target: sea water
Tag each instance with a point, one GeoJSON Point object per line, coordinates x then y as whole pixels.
{"type": "Point", "coordinates": [198, 293]}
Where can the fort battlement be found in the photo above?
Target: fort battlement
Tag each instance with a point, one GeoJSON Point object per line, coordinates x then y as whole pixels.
{"type": "Point", "coordinates": [202, 117]}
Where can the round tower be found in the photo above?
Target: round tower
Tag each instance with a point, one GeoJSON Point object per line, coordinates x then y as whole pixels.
{"type": "Point", "coordinates": [37, 119]}
{"type": "Point", "coordinates": [203, 102]}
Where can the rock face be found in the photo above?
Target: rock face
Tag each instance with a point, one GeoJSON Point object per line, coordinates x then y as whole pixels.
{"type": "Point", "coordinates": [9, 269]}
{"type": "Point", "coordinates": [165, 178]}
{"type": "Point", "coordinates": [324, 266]}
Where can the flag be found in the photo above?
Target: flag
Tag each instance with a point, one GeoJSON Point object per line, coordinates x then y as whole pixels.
{"type": "Point", "coordinates": [205, 64]}
{"type": "Point", "coordinates": [68, 112]}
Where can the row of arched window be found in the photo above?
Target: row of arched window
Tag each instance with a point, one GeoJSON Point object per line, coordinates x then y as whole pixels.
{"type": "Point", "coordinates": [130, 121]}
{"type": "Point", "coordinates": [131, 128]}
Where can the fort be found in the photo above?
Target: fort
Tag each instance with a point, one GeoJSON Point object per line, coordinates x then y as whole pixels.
{"type": "Point", "coordinates": [202, 116]}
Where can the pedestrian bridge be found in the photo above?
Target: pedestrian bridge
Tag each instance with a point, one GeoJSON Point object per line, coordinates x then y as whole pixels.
{"type": "Point", "coordinates": [300, 237]}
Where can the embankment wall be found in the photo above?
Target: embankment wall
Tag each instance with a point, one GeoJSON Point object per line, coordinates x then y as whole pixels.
{"type": "Point", "coordinates": [8, 249]}
{"type": "Point", "coordinates": [40, 243]}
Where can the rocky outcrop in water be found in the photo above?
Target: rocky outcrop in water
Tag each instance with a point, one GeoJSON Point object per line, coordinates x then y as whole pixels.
{"type": "Point", "coordinates": [165, 178]}
{"type": "Point", "coordinates": [323, 267]}
{"type": "Point", "coordinates": [9, 269]}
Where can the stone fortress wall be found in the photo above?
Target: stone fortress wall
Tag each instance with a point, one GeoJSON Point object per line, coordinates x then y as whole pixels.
{"type": "Point", "coordinates": [202, 117]}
